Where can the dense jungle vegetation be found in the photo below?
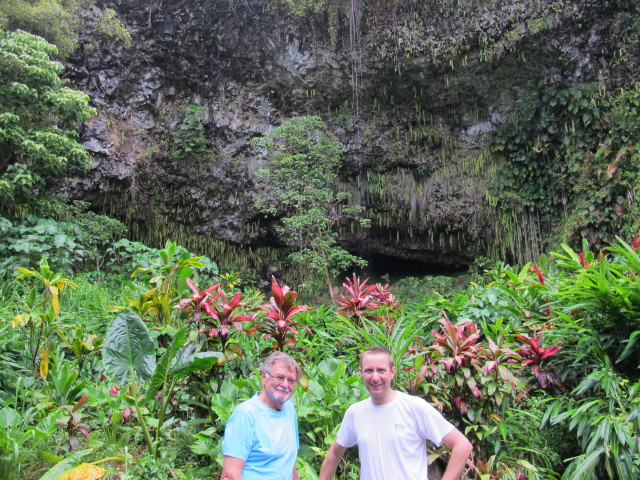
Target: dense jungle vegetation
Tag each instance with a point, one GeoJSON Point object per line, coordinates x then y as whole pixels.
{"type": "Point", "coordinates": [124, 361]}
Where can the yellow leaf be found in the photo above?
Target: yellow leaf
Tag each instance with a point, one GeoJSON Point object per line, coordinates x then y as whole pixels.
{"type": "Point", "coordinates": [44, 362]}
{"type": "Point", "coordinates": [17, 320]}
{"type": "Point", "coordinates": [84, 471]}
{"type": "Point", "coordinates": [55, 304]}
{"type": "Point", "coordinates": [496, 417]}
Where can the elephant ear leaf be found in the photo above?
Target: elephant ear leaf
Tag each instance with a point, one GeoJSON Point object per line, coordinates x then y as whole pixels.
{"type": "Point", "coordinates": [188, 362]}
{"type": "Point", "coordinates": [128, 347]}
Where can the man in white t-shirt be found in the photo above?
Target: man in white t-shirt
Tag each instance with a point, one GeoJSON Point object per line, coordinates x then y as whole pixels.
{"type": "Point", "coordinates": [391, 429]}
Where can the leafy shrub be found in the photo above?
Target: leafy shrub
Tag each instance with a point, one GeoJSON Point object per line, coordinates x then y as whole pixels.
{"type": "Point", "coordinates": [55, 20]}
{"type": "Point", "coordinates": [24, 244]}
{"type": "Point", "coordinates": [188, 140]}
{"type": "Point", "coordinates": [111, 29]}
{"type": "Point", "coordinates": [125, 257]}
{"type": "Point", "coordinates": [98, 232]}
{"type": "Point", "coordinates": [39, 121]}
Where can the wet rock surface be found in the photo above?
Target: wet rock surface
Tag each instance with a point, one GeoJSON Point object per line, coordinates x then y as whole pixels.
{"type": "Point", "coordinates": [412, 101]}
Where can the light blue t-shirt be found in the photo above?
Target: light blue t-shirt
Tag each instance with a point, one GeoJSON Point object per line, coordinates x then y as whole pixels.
{"type": "Point", "coordinates": [267, 440]}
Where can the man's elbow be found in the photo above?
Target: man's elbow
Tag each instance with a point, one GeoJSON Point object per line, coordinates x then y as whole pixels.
{"type": "Point", "coordinates": [464, 446]}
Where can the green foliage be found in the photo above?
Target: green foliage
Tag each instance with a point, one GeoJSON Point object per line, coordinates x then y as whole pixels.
{"type": "Point", "coordinates": [297, 183]}
{"type": "Point", "coordinates": [38, 121]}
{"type": "Point", "coordinates": [97, 232]}
{"type": "Point", "coordinates": [331, 387]}
{"type": "Point", "coordinates": [21, 433]}
{"type": "Point", "coordinates": [167, 274]}
{"type": "Point", "coordinates": [76, 240]}
{"type": "Point", "coordinates": [128, 348]}
{"type": "Point", "coordinates": [572, 149]}
{"type": "Point", "coordinates": [25, 243]}
{"type": "Point", "coordinates": [478, 368]}
{"type": "Point", "coordinates": [188, 140]}
{"type": "Point", "coordinates": [40, 313]}
{"type": "Point", "coordinates": [110, 29]}
{"type": "Point", "coordinates": [54, 20]}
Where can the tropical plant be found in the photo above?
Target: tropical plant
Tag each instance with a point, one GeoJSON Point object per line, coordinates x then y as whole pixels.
{"type": "Point", "coordinates": [360, 300]}
{"type": "Point", "coordinates": [55, 20]}
{"type": "Point", "coordinates": [84, 345]}
{"type": "Point", "coordinates": [41, 313]}
{"type": "Point", "coordinates": [21, 433]}
{"type": "Point", "coordinates": [189, 141]}
{"type": "Point", "coordinates": [73, 467]}
{"type": "Point", "coordinates": [38, 122]}
{"type": "Point", "coordinates": [533, 354]}
{"type": "Point", "coordinates": [224, 317]}
{"type": "Point", "coordinates": [129, 357]}
{"type": "Point", "coordinates": [97, 232]}
{"type": "Point", "coordinates": [474, 382]}
{"type": "Point", "coordinates": [25, 242]}
{"type": "Point", "coordinates": [330, 387]}
{"type": "Point", "coordinates": [169, 276]}
{"type": "Point", "coordinates": [297, 183]}
{"type": "Point", "coordinates": [275, 319]}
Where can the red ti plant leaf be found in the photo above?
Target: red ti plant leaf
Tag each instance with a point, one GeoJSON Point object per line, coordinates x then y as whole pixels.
{"type": "Point", "coordinates": [196, 304]}
{"type": "Point", "coordinates": [360, 300]}
{"type": "Point", "coordinates": [384, 296]}
{"type": "Point", "coordinates": [275, 319]}
{"type": "Point", "coordinates": [456, 346]}
{"type": "Point", "coordinates": [636, 244]}
{"type": "Point", "coordinates": [533, 354]}
{"type": "Point", "coordinates": [387, 305]}
{"type": "Point", "coordinates": [497, 357]}
{"type": "Point", "coordinates": [224, 316]}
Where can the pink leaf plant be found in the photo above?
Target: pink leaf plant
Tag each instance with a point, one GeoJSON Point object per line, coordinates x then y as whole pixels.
{"type": "Point", "coordinates": [534, 354]}
{"type": "Point", "coordinates": [224, 317]}
{"type": "Point", "coordinates": [196, 304]}
{"type": "Point", "coordinates": [275, 319]}
{"type": "Point", "coordinates": [373, 302]}
{"type": "Point", "coordinates": [360, 299]}
{"type": "Point", "coordinates": [457, 350]}
{"type": "Point", "coordinates": [216, 315]}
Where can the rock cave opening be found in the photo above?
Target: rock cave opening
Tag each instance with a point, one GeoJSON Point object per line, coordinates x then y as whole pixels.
{"type": "Point", "coordinates": [396, 268]}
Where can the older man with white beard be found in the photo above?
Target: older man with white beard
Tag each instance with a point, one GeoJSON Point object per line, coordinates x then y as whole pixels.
{"type": "Point", "coordinates": [261, 437]}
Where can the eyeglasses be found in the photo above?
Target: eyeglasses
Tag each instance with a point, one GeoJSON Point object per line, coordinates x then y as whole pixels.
{"type": "Point", "coordinates": [281, 378]}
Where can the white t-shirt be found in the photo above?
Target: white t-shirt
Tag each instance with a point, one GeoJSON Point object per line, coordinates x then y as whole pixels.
{"type": "Point", "coordinates": [392, 438]}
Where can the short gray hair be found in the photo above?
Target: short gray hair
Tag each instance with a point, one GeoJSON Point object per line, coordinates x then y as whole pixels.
{"type": "Point", "coordinates": [285, 360]}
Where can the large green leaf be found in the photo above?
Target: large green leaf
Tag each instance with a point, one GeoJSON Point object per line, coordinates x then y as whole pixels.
{"type": "Point", "coordinates": [192, 362]}
{"type": "Point", "coordinates": [162, 373]}
{"type": "Point", "coordinates": [128, 347]}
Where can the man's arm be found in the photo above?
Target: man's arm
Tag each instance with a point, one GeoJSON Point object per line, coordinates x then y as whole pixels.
{"type": "Point", "coordinates": [232, 468]}
{"type": "Point", "coordinates": [460, 450]}
{"type": "Point", "coordinates": [331, 461]}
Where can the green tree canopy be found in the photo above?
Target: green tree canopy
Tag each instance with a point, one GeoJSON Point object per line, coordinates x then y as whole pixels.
{"type": "Point", "coordinates": [298, 183]}
{"type": "Point", "coordinates": [54, 20]}
{"type": "Point", "coordinates": [39, 119]}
